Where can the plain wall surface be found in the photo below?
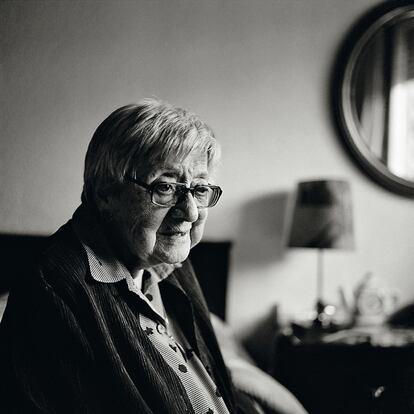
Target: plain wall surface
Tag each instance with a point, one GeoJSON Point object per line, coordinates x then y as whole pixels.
{"type": "Point", "coordinates": [256, 71]}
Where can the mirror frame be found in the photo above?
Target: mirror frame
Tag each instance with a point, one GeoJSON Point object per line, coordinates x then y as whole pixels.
{"type": "Point", "coordinates": [341, 101]}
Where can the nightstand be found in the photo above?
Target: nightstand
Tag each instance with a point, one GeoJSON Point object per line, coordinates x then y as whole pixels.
{"type": "Point", "coordinates": [353, 371]}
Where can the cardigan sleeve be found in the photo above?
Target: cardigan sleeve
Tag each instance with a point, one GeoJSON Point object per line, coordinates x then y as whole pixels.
{"type": "Point", "coordinates": [46, 361]}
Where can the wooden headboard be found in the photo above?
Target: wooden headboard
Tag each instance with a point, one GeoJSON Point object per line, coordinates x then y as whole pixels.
{"type": "Point", "coordinates": [210, 261]}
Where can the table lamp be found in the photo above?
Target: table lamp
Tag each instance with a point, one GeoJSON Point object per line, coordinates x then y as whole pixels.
{"type": "Point", "coordinates": [322, 219]}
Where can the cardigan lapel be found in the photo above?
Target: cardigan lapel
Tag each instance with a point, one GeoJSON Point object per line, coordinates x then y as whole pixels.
{"type": "Point", "coordinates": [184, 299]}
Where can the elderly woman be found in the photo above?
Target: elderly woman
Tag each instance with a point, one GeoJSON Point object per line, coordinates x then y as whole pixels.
{"type": "Point", "coordinates": [111, 318]}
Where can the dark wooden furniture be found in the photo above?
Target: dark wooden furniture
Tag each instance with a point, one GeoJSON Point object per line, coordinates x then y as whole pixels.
{"type": "Point", "coordinates": [347, 377]}
{"type": "Point", "coordinates": [16, 253]}
{"type": "Point", "coordinates": [211, 262]}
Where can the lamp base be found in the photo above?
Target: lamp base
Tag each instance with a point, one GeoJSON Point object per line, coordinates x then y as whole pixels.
{"type": "Point", "coordinates": [324, 314]}
{"type": "Point", "coordinates": [323, 321]}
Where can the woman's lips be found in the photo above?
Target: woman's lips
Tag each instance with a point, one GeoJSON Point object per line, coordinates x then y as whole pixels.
{"type": "Point", "coordinates": [174, 233]}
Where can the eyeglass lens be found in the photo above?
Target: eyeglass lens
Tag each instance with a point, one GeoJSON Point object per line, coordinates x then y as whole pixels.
{"type": "Point", "coordinates": [168, 194]}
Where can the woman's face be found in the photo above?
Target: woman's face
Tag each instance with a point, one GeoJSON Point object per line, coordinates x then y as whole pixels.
{"type": "Point", "coordinates": [144, 234]}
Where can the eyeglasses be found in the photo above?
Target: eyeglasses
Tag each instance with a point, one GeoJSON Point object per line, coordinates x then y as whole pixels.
{"type": "Point", "coordinates": [165, 194]}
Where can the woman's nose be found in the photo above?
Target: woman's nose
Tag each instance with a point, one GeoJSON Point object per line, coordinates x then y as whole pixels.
{"type": "Point", "coordinates": [186, 209]}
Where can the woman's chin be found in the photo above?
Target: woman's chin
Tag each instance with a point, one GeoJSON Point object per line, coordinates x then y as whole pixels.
{"type": "Point", "coordinates": [174, 250]}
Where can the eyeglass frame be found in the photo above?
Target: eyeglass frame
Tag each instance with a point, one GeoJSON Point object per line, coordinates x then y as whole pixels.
{"type": "Point", "coordinates": [150, 189]}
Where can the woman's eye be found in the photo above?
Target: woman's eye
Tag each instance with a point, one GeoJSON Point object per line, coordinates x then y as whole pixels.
{"type": "Point", "coordinates": [201, 190]}
{"type": "Point", "coordinates": [164, 188]}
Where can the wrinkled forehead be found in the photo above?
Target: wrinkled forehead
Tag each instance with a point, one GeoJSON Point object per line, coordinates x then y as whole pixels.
{"type": "Point", "coordinates": [184, 167]}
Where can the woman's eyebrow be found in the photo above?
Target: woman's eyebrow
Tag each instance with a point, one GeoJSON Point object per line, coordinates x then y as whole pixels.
{"type": "Point", "coordinates": [171, 173]}
{"type": "Point", "coordinates": [167, 172]}
{"type": "Point", "coordinates": [204, 175]}
{"type": "Point", "coordinates": [176, 174]}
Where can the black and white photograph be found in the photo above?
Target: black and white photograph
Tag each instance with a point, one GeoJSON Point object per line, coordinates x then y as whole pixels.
{"type": "Point", "coordinates": [207, 206]}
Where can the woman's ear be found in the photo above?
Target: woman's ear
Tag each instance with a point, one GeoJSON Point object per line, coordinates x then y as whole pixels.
{"type": "Point", "coordinates": [102, 198]}
{"type": "Point", "coordinates": [102, 195]}
{"type": "Point", "coordinates": [106, 195]}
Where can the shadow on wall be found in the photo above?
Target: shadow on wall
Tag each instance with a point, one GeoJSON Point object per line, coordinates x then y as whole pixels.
{"type": "Point", "coordinates": [262, 229]}
{"type": "Point", "coordinates": [261, 241]}
{"type": "Point", "coordinates": [259, 338]}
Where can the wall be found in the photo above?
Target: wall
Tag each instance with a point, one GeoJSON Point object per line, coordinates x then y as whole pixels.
{"type": "Point", "coordinates": [257, 71]}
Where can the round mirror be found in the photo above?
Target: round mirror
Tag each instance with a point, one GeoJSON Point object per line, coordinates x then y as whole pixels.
{"type": "Point", "coordinates": [374, 95]}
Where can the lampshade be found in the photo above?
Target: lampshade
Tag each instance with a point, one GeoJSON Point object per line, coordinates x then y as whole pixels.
{"type": "Point", "coordinates": [322, 216]}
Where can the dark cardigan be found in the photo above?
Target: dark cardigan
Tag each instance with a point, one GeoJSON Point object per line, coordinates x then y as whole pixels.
{"type": "Point", "coordinates": [69, 344]}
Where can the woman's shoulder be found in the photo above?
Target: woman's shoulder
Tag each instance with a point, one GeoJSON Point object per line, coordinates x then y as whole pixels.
{"type": "Point", "coordinates": [63, 259]}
